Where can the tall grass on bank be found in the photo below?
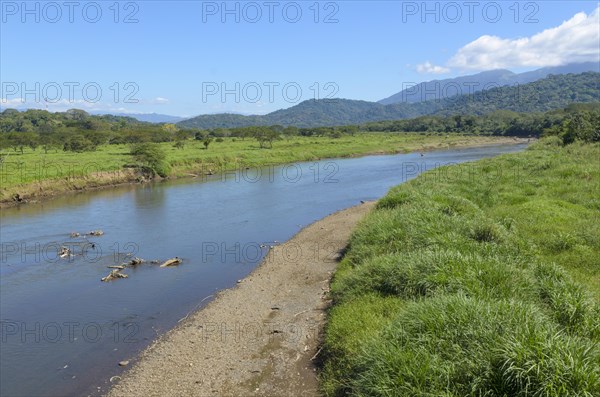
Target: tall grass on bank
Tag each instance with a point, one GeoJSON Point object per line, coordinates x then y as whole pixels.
{"type": "Point", "coordinates": [481, 279]}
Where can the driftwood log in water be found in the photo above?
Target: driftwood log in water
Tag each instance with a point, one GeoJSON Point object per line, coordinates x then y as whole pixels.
{"type": "Point", "coordinates": [64, 252]}
{"type": "Point", "coordinates": [135, 261]}
{"type": "Point", "coordinates": [171, 262]}
{"type": "Point", "coordinates": [115, 274]}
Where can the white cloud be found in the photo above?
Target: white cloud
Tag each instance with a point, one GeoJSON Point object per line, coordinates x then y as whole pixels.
{"type": "Point", "coordinates": [575, 40]}
{"type": "Point", "coordinates": [160, 100]}
{"type": "Point", "coordinates": [427, 67]}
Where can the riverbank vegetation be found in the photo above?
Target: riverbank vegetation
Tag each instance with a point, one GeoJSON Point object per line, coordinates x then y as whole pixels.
{"type": "Point", "coordinates": [476, 279]}
{"type": "Point", "coordinates": [44, 153]}
{"type": "Point", "coordinates": [35, 173]}
{"type": "Point", "coordinates": [77, 131]}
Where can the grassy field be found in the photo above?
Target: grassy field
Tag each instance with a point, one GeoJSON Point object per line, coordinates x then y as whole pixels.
{"type": "Point", "coordinates": [481, 279]}
{"type": "Point", "coordinates": [36, 174]}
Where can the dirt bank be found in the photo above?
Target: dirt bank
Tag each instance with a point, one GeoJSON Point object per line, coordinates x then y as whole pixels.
{"type": "Point", "coordinates": [259, 338]}
{"type": "Point", "coordinates": [48, 188]}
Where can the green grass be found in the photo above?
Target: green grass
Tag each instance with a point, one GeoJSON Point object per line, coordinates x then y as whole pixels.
{"type": "Point", "coordinates": [479, 279]}
{"type": "Point", "coordinates": [32, 172]}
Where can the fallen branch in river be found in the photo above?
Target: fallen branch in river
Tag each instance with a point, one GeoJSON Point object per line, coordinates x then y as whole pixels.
{"type": "Point", "coordinates": [135, 261]}
{"type": "Point", "coordinates": [171, 262]}
{"type": "Point", "coordinates": [115, 274]}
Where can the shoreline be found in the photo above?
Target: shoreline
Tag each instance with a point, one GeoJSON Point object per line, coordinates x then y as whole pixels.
{"type": "Point", "coordinates": [48, 189]}
{"type": "Point", "coordinates": [260, 337]}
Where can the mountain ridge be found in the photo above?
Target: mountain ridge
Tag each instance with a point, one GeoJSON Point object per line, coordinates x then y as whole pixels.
{"type": "Point", "coordinates": [553, 92]}
{"type": "Point", "coordinates": [480, 81]}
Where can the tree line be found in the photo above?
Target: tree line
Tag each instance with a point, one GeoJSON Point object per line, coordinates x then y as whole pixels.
{"type": "Point", "coordinates": [78, 131]}
{"type": "Point", "coordinates": [576, 121]}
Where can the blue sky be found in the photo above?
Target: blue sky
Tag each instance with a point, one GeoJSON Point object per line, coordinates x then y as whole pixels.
{"type": "Point", "coordinates": [177, 57]}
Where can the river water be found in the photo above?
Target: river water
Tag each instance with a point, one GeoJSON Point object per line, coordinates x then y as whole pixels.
{"type": "Point", "coordinates": [63, 331]}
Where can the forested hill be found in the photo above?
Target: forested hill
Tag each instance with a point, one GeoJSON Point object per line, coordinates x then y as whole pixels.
{"type": "Point", "coordinates": [553, 92]}
{"type": "Point", "coordinates": [481, 81]}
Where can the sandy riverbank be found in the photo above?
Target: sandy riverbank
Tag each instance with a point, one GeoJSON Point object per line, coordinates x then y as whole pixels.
{"type": "Point", "coordinates": [259, 338]}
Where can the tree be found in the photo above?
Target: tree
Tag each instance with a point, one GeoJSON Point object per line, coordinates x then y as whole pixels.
{"type": "Point", "coordinates": [97, 138]}
{"type": "Point", "coordinates": [170, 128]}
{"type": "Point", "coordinates": [206, 142]}
{"type": "Point", "coordinates": [19, 140]}
{"type": "Point", "coordinates": [151, 157]}
{"type": "Point", "coordinates": [579, 127]}
{"type": "Point", "coordinates": [77, 114]}
{"type": "Point", "coordinates": [349, 129]}
{"type": "Point", "coordinates": [265, 135]}
{"type": "Point", "coordinates": [291, 130]}
{"type": "Point", "coordinates": [78, 143]}
{"type": "Point", "coordinates": [48, 141]}
{"type": "Point", "coordinates": [180, 137]}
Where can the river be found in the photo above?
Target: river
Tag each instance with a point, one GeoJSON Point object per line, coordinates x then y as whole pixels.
{"type": "Point", "coordinates": [63, 331]}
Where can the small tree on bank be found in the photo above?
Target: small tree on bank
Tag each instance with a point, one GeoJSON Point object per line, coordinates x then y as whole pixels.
{"type": "Point", "coordinates": [264, 136]}
{"type": "Point", "coordinates": [151, 157]}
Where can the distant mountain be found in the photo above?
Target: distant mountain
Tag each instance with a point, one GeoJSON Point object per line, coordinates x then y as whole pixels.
{"type": "Point", "coordinates": [147, 117]}
{"type": "Point", "coordinates": [439, 89]}
{"type": "Point", "coordinates": [553, 92]}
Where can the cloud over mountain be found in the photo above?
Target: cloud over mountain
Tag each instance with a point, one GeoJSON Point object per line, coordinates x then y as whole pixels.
{"type": "Point", "coordinates": [575, 40]}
